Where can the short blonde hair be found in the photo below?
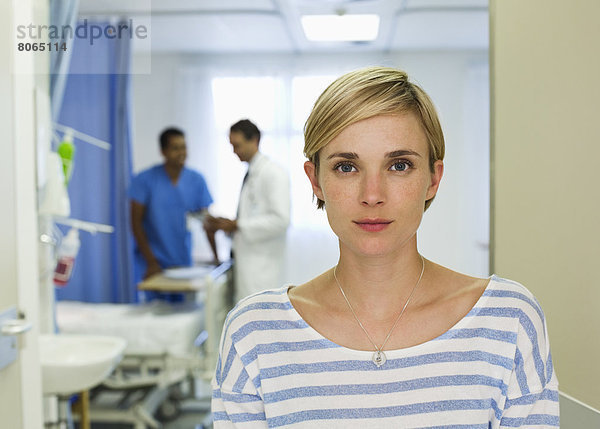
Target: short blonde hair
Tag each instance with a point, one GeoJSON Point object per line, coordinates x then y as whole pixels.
{"type": "Point", "coordinates": [363, 94]}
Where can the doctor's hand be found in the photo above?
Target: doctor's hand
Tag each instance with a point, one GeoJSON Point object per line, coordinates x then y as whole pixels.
{"type": "Point", "coordinates": [212, 224]}
{"type": "Point", "coordinates": [227, 225]}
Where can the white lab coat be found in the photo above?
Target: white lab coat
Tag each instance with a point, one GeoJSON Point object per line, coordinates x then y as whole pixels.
{"type": "Point", "coordinates": [262, 222]}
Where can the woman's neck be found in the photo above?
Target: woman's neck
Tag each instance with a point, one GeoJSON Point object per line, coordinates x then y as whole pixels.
{"type": "Point", "coordinates": [376, 285]}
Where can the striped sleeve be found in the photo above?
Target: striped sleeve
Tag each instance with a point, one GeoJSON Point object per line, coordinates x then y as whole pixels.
{"type": "Point", "coordinates": [532, 397]}
{"type": "Point", "coordinates": [236, 402]}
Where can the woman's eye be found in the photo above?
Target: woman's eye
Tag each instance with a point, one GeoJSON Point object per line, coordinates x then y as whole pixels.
{"type": "Point", "coordinates": [345, 168]}
{"type": "Point", "coordinates": [400, 166]}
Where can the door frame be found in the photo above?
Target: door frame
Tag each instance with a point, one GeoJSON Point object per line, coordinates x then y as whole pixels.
{"type": "Point", "coordinates": [21, 391]}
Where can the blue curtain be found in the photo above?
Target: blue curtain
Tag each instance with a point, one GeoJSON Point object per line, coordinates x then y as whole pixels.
{"type": "Point", "coordinates": [62, 12]}
{"type": "Point", "coordinates": [99, 105]}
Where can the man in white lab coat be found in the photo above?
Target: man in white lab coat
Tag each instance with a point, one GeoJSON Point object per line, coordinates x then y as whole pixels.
{"type": "Point", "coordinates": [263, 216]}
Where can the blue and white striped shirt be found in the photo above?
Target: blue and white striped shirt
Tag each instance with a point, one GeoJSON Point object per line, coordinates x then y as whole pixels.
{"type": "Point", "coordinates": [491, 370]}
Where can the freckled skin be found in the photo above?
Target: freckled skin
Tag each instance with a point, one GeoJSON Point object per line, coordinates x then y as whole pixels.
{"type": "Point", "coordinates": [374, 185]}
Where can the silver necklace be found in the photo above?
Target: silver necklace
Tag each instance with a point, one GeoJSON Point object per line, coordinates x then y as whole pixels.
{"type": "Point", "coordinates": [379, 357]}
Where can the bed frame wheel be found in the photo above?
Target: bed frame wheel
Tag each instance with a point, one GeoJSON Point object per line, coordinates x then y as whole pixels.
{"type": "Point", "coordinates": [168, 410]}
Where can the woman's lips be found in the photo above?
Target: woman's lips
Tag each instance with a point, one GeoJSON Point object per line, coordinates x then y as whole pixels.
{"type": "Point", "coordinates": [373, 225]}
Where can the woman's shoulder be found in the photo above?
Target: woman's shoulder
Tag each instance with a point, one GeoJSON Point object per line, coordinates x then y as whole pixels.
{"type": "Point", "coordinates": [512, 295]}
{"type": "Point", "coordinates": [450, 281]}
{"type": "Point", "coordinates": [266, 296]}
{"type": "Point", "coordinates": [491, 296]}
{"type": "Point", "coordinates": [259, 310]}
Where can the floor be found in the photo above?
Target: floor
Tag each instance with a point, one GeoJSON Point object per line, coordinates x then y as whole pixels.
{"type": "Point", "coordinates": [577, 415]}
{"type": "Point", "coordinates": [190, 418]}
{"type": "Point", "coordinates": [193, 413]}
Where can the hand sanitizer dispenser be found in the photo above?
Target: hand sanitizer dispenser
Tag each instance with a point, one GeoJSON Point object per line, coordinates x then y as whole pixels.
{"type": "Point", "coordinates": [67, 252]}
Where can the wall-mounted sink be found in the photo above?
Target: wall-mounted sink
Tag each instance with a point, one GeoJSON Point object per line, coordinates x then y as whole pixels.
{"type": "Point", "coordinates": [73, 363]}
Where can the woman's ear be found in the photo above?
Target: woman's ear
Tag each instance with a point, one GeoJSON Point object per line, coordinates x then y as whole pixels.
{"type": "Point", "coordinates": [436, 178]}
{"type": "Point", "coordinates": [311, 171]}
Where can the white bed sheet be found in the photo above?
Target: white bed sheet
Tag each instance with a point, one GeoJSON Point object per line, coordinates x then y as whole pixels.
{"type": "Point", "coordinates": [149, 329]}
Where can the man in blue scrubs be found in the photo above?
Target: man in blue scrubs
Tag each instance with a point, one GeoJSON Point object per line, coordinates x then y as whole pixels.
{"type": "Point", "coordinates": [161, 197]}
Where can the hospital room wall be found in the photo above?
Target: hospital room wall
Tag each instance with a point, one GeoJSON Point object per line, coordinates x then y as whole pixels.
{"type": "Point", "coordinates": [545, 148]}
{"type": "Point", "coordinates": [460, 212]}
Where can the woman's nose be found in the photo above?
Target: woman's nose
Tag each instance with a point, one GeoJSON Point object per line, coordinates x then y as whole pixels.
{"type": "Point", "coordinates": [372, 190]}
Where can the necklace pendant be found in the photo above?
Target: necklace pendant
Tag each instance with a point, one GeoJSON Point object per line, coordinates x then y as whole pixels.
{"type": "Point", "coordinates": [379, 358]}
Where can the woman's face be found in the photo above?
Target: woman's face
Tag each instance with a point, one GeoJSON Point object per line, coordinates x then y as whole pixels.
{"type": "Point", "coordinates": [375, 178]}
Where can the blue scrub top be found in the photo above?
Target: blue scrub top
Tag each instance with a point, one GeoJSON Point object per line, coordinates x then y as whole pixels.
{"type": "Point", "coordinates": [165, 217]}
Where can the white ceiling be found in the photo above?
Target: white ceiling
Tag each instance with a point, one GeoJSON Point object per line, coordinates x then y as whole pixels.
{"type": "Point", "coordinates": [236, 26]}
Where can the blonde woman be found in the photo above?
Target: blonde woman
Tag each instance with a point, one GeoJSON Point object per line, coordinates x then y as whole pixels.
{"type": "Point", "coordinates": [386, 338]}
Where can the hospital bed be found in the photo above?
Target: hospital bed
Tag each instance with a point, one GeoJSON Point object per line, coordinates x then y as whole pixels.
{"type": "Point", "coordinates": [169, 347]}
